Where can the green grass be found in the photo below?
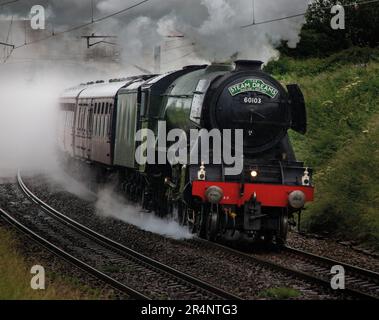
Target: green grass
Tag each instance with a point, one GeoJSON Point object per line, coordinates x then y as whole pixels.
{"type": "Point", "coordinates": [280, 293]}
{"type": "Point", "coordinates": [15, 277]}
{"type": "Point", "coordinates": [347, 198]}
{"type": "Point", "coordinates": [287, 66]}
{"type": "Point", "coordinates": [342, 96]}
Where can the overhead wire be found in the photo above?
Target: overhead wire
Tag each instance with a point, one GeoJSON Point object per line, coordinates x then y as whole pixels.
{"type": "Point", "coordinates": [93, 21]}
{"type": "Point", "coordinates": [9, 2]}
{"type": "Point", "coordinates": [255, 23]}
{"type": "Point", "coordinates": [179, 47]}
{"type": "Point", "coordinates": [6, 53]}
{"type": "Point", "coordinates": [78, 27]}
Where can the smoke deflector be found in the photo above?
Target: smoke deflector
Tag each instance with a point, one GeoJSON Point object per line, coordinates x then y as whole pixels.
{"type": "Point", "coordinates": [298, 110]}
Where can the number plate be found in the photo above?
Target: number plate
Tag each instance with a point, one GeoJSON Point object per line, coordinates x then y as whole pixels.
{"type": "Point", "coordinates": [252, 100]}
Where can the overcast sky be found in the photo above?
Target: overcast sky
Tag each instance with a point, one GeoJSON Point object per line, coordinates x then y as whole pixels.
{"type": "Point", "coordinates": [212, 29]}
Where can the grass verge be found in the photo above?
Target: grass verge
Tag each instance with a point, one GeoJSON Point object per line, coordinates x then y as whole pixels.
{"type": "Point", "coordinates": [15, 277]}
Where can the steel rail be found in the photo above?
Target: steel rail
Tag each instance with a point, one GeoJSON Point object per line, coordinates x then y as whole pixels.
{"type": "Point", "coordinates": [290, 271]}
{"type": "Point", "coordinates": [70, 258]}
{"type": "Point", "coordinates": [369, 277]}
{"type": "Point", "coordinates": [347, 266]}
{"type": "Point", "coordinates": [122, 249]}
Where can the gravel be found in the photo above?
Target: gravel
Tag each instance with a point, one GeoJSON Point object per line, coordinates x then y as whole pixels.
{"type": "Point", "coordinates": [231, 273]}
{"type": "Point", "coordinates": [334, 250]}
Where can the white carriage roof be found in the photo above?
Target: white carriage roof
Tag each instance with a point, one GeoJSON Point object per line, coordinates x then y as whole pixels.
{"type": "Point", "coordinates": [135, 85]}
{"type": "Point", "coordinates": [73, 92]}
{"type": "Point", "coordinates": [103, 90]}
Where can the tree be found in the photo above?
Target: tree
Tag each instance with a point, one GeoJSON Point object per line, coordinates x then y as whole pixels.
{"type": "Point", "coordinates": [319, 39]}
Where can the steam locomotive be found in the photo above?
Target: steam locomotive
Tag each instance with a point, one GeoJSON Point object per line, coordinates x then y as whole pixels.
{"type": "Point", "coordinates": [100, 122]}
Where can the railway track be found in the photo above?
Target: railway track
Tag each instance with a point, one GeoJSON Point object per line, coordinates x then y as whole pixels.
{"type": "Point", "coordinates": [358, 279]}
{"type": "Point", "coordinates": [359, 283]}
{"type": "Point", "coordinates": [119, 266]}
{"type": "Point", "coordinates": [70, 258]}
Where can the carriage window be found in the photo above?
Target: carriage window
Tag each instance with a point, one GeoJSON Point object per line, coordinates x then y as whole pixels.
{"type": "Point", "coordinates": [102, 108]}
{"type": "Point", "coordinates": [80, 118]}
{"type": "Point", "coordinates": [98, 127]}
{"type": "Point", "coordinates": [83, 117]}
{"type": "Point", "coordinates": [102, 128]}
{"type": "Point", "coordinates": [94, 125]}
{"type": "Point", "coordinates": [94, 122]}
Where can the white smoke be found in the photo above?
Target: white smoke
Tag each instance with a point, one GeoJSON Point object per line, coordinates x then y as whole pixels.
{"type": "Point", "coordinates": [111, 205]}
{"type": "Point", "coordinates": [211, 31]}
{"type": "Point", "coordinates": [29, 109]}
{"type": "Point", "coordinates": [70, 184]}
{"type": "Point", "coordinates": [27, 122]}
{"type": "Point", "coordinates": [215, 33]}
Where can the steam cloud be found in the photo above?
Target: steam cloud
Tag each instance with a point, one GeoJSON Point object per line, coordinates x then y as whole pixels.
{"type": "Point", "coordinates": [28, 115]}
{"type": "Point", "coordinates": [111, 205]}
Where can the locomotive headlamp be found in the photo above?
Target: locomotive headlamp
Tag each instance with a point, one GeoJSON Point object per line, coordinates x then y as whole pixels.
{"type": "Point", "coordinates": [296, 199]}
{"type": "Point", "coordinates": [254, 173]}
{"type": "Point", "coordinates": [201, 173]}
{"type": "Point", "coordinates": [306, 179]}
{"type": "Point", "coordinates": [214, 194]}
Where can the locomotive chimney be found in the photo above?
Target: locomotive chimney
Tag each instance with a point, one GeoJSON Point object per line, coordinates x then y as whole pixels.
{"type": "Point", "coordinates": [248, 65]}
{"type": "Point", "coordinates": [219, 66]}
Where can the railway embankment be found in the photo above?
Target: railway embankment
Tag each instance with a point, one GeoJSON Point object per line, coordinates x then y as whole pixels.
{"type": "Point", "coordinates": [342, 143]}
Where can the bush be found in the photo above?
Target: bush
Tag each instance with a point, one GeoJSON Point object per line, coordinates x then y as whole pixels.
{"type": "Point", "coordinates": [342, 98]}
{"type": "Point", "coordinates": [347, 197]}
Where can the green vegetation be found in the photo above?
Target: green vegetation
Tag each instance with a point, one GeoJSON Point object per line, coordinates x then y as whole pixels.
{"type": "Point", "coordinates": [348, 190]}
{"type": "Point", "coordinates": [15, 277]}
{"type": "Point", "coordinates": [280, 293]}
{"type": "Point", "coordinates": [342, 143]}
{"type": "Point", "coordinates": [318, 39]}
